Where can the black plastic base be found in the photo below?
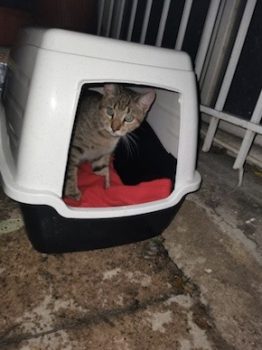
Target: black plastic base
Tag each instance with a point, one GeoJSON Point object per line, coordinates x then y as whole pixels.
{"type": "Point", "coordinates": [50, 232]}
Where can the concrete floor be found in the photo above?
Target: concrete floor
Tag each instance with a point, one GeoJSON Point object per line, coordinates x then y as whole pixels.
{"type": "Point", "coordinates": [198, 286]}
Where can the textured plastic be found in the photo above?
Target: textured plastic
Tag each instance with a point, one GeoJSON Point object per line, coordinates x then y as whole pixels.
{"type": "Point", "coordinates": [50, 232]}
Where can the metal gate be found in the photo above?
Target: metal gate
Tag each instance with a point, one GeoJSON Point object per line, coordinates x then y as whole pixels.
{"type": "Point", "coordinates": [220, 37]}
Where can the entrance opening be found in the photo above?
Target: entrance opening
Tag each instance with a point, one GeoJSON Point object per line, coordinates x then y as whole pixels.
{"type": "Point", "coordinates": [142, 166]}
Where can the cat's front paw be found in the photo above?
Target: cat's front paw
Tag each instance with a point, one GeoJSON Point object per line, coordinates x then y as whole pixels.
{"type": "Point", "coordinates": [76, 196]}
{"type": "Point", "coordinates": [107, 182]}
{"type": "Point", "coordinates": [73, 193]}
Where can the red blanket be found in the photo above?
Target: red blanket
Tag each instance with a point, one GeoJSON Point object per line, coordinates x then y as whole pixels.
{"type": "Point", "coordinates": [95, 195]}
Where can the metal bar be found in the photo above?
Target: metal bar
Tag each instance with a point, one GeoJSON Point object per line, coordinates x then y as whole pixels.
{"type": "Point", "coordinates": [244, 149]}
{"type": "Point", "coordinates": [183, 24]}
{"type": "Point", "coordinates": [109, 20]}
{"type": "Point", "coordinates": [132, 20]}
{"type": "Point", "coordinates": [145, 21]}
{"type": "Point", "coordinates": [100, 16]}
{"type": "Point", "coordinates": [249, 135]}
{"type": "Point", "coordinates": [120, 18]}
{"type": "Point", "coordinates": [206, 36]}
{"type": "Point", "coordinates": [240, 39]}
{"type": "Point", "coordinates": [239, 42]}
{"type": "Point", "coordinates": [257, 113]}
{"type": "Point", "coordinates": [212, 128]}
{"type": "Point", "coordinates": [162, 24]}
{"type": "Point", "coordinates": [232, 119]}
{"type": "Point", "coordinates": [219, 43]}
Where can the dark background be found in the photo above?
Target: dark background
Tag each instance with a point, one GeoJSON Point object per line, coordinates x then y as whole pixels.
{"type": "Point", "coordinates": [81, 15]}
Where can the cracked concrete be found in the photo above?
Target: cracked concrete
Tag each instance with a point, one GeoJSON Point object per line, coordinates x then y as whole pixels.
{"type": "Point", "coordinates": [219, 247]}
{"type": "Point", "coordinates": [198, 286]}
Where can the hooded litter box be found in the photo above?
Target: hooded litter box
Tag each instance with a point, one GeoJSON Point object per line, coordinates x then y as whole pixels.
{"type": "Point", "coordinates": [48, 69]}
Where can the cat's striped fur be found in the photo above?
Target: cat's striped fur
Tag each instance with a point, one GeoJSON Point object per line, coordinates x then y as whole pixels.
{"type": "Point", "coordinates": [101, 120]}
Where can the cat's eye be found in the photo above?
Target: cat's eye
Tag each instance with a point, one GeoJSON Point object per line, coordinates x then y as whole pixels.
{"type": "Point", "coordinates": [110, 111]}
{"type": "Point", "coordinates": [129, 118]}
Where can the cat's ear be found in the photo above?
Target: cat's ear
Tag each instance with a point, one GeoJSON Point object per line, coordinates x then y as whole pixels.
{"type": "Point", "coordinates": [110, 89]}
{"type": "Point", "coordinates": [146, 100]}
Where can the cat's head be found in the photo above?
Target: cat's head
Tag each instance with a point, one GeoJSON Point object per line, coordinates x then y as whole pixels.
{"type": "Point", "coordinates": [124, 110]}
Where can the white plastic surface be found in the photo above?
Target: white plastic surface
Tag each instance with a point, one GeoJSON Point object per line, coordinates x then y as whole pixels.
{"type": "Point", "coordinates": [48, 68]}
{"type": "Point", "coordinates": [104, 48]}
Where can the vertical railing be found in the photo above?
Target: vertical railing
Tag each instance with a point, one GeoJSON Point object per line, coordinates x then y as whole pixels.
{"type": "Point", "coordinates": [101, 7]}
{"type": "Point", "coordinates": [107, 20]}
{"type": "Point", "coordinates": [183, 24]}
{"type": "Point", "coordinates": [248, 139]}
{"type": "Point", "coordinates": [231, 68]}
{"type": "Point", "coordinates": [162, 23]}
{"type": "Point", "coordinates": [119, 18]}
{"type": "Point", "coordinates": [206, 35]}
{"type": "Point", "coordinates": [146, 21]}
{"type": "Point", "coordinates": [132, 20]}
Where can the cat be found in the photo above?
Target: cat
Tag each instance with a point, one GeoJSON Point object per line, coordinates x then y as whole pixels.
{"type": "Point", "coordinates": [101, 121]}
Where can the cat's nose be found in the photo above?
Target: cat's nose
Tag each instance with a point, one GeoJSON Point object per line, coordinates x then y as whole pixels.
{"type": "Point", "coordinates": [115, 125]}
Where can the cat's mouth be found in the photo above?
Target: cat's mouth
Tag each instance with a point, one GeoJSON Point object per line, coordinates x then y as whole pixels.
{"type": "Point", "coordinates": [116, 133]}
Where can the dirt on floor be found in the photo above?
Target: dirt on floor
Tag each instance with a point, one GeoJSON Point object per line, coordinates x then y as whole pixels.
{"type": "Point", "coordinates": [129, 297]}
{"type": "Point", "coordinates": [196, 287]}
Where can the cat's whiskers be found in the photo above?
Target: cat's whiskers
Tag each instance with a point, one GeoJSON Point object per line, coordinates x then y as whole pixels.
{"type": "Point", "coordinates": [130, 143]}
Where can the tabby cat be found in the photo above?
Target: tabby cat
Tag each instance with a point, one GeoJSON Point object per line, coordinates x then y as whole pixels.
{"type": "Point", "coordinates": [101, 121]}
